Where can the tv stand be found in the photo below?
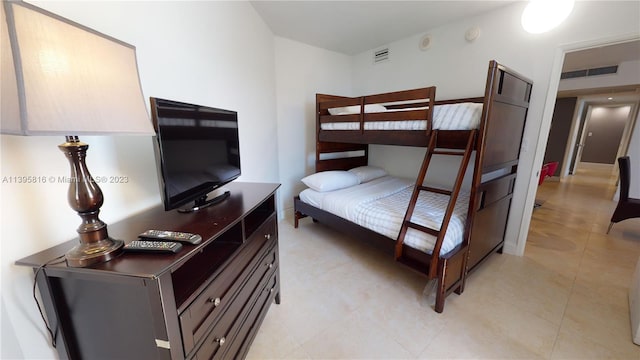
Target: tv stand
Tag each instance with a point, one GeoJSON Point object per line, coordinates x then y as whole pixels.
{"type": "Point", "coordinates": [202, 202]}
{"type": "Point", "coordinates": [205, 302]}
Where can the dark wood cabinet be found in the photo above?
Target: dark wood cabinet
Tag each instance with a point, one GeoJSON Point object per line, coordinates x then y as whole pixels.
{"type": "Point", "coordinates": [207, 301]}
{"type": "Point", "coordinates": [490, 223]}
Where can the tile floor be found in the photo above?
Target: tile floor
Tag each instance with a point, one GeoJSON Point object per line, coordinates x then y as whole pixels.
{"type": "Point", "coordinates": [565, 299]}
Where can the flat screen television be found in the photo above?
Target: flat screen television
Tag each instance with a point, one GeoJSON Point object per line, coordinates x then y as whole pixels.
{"type": "Point", "coordinates": [197, 152]}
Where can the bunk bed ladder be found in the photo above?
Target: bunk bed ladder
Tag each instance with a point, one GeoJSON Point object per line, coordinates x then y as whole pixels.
{"type": "Point", "coordinates": [453, 195]}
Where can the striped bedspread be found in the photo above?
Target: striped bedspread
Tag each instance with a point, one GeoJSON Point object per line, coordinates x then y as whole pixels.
{"type": "Point", "coordinates": [380, 205]}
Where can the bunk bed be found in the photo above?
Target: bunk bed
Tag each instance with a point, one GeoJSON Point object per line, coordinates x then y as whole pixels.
{"type": "Point", "coordinates": [346, 126]}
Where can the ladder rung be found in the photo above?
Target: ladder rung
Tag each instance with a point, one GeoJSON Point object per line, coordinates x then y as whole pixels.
{"type": "Point", "coordinates": [406, 223]}
{"type": "Point", "coordinates": [448, 152]}
{"type": "Point", "coordinates": [435, 190]}
{"type": "Point", "coordinates": [422, 228]}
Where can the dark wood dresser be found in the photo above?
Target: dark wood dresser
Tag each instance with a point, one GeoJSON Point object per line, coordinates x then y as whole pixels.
{"type": "Point", "coordinates": [207, 301]}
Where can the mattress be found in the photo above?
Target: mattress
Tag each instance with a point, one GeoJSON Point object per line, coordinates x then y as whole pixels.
{"type": "Point", "coordinates": [460, 116]}
{"type": "Point", "coordinates": [380, 205]}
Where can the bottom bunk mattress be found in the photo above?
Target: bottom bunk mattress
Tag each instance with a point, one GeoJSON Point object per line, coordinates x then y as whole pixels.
{"type": "Point", "coordinates": [380, 205]}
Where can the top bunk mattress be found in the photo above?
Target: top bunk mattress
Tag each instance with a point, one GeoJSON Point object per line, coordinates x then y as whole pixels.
{"type": "Point", "coordinates": [380, 205]}
{"type": "Point", "coordinates": [459, 116]}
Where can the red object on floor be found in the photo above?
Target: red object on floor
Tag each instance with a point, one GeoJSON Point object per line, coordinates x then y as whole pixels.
{"type": "Point", "coordinates": [543, 174]}
{"type": "Point", "coordinates": [552, 168]}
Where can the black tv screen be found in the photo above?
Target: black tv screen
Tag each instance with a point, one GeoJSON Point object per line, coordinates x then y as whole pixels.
{"type": "Point", "coordinates": [197, 150]}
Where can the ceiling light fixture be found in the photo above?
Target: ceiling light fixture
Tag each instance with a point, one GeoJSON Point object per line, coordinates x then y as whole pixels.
{"type": "Point", "coordinates": [543, 15]}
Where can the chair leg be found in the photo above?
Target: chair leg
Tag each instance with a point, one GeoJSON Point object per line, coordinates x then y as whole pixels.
{"type": "Point", "coordinates": [610, 226]}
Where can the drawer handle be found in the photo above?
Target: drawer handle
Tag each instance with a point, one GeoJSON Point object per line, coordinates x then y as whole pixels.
{"type": "Point", "coordinates": [269, 290]}
{"type": "Point", "coordinates": [215, 301]}
{"type": "Point", "coordinates": [221, 341]}
{"type": "Point", "coordinates": [269, 265]}
{"type": "Point", "coordinates": [267, 236]}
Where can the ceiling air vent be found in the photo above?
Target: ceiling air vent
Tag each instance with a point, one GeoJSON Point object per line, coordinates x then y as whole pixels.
{"type": "Point", "coordinates": [381, 55]}
{"type": "Point", "coordinates": [590, 72]}
{"type": "Point", "coordinates": [573, 74]}
{"type": "Point", "coordinates": [603, 70]}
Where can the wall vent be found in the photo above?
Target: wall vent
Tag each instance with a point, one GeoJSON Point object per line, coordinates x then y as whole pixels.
{"type": "Point", "coordinates": [589, 72]}
{"type": "Point", "coordinates": [381, 55]}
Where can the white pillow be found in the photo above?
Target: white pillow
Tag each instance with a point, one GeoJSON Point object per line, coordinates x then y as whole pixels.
{"type": "Point", "coordinates": [368, 173]}
{"type": "Point", "coordinates": [355, 109]}
{"type": "Point", "coordinates": [330, 180]}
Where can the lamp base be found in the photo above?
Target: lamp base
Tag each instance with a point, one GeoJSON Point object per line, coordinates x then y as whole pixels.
{"type": "Point", "coordinates": [86, 254]}
{"type": "Point", "coordinates": [85, 197]}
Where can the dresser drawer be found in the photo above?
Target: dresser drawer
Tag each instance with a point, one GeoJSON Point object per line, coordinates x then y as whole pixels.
{"type": "Point", "coordinates": [218, 296]}
{"type": "Point", "coordinates": [226, 328]}
{"type": "Point", "coordinates": [249, 328]}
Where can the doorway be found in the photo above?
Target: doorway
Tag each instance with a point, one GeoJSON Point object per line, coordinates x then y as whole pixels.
{"type": "Point", "coordinates": [562, 55]}
{"type": "Point", "coordinates": [603, 134]}
{"type": "Point", "coordinates": [596, 107]}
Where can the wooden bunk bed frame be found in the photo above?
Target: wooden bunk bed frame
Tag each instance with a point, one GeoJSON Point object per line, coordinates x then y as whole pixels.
{"type": "Point", "coordinates": [497, 148]}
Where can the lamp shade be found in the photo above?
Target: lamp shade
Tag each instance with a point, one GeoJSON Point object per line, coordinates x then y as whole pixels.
{"type": "Point", "coordinates": [62, 78]}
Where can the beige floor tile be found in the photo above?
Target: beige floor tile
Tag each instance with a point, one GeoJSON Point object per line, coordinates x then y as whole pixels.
{"type": "Point", "coordinates": [512, 322]}
{"type": "Point", "coordinates": [473, 337]}
{"type": "Point", "coordinates": [256, 353]}
{"type": "Point", "coordinates": [565, 261]}
{"type": "Point", "coordinates": [606, 267]}
{"type": "Point", "coordinates": [600, 313]}
{"type": "Point", "coordinates": [275, 340]}
{"type": "Point", "coordinates": [572, 345]}
{"type": "Point", "coordinates": [627, 229]}
{"type": "Point", "coordinates": [312, 306]}
{"type": "Point", "coordinates": [523, 284]}
{"type": "Point", "coordinates": [355, 337]}
{"type": "Point", "coordinates": [405, 316]}
{"type": "Point", "coordinates": [616, 245]}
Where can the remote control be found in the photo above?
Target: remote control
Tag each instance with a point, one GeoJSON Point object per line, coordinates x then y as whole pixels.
{"type": "Point", "coordinates": [153, 246]}
{"type": "Point", "coordinates": [164, 235]}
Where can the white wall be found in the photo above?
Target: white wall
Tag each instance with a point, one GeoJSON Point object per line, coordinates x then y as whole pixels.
{"type": "Point", "coordinates": [211, 53]}
{"type": "Point", "coordinates": [301, 72]}
{"type": "Point", "coordinates": [459, 68]}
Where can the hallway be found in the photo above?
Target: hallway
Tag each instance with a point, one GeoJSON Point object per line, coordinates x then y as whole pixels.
{"type": "Point", "coordinates": [568, 236]}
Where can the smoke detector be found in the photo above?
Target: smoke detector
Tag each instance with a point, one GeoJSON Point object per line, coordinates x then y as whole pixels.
{"type": "Point", "coordinates": [425, 42]}
{"type": "Point", "coordinates": [472, 34]}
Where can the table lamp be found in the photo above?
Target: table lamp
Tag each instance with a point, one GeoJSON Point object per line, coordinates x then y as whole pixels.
{"type": "Point", "coordinates": [61, 78]}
